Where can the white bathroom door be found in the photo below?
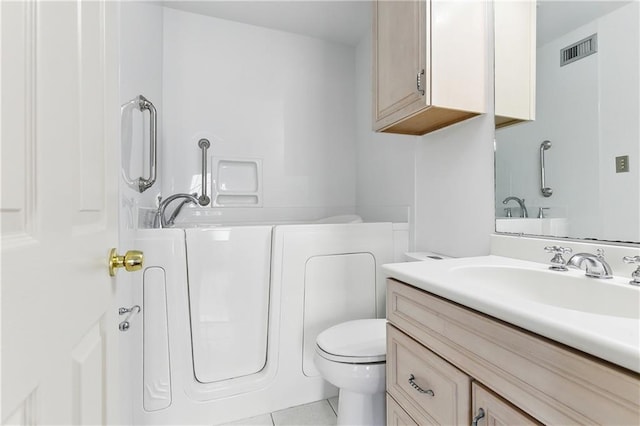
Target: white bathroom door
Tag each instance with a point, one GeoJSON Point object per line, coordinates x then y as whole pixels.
{"type": "Point", "coordinates": [59, 129]}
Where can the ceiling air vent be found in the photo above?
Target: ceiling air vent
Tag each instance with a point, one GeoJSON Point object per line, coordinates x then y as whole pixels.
{"type": "Point", "coordinates": [579, 50]}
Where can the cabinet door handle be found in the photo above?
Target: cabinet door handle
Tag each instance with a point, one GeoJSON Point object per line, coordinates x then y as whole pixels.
{"type": "Point", "coordinates": [477, 418]}
{"type": "Point", "coordinates": [419, 82]}
{"type": "Point", "coordinates": [418, 388]}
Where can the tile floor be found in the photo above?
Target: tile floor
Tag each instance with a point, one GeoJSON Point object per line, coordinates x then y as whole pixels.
{"type": "Point", "coordinates": [319, 413]}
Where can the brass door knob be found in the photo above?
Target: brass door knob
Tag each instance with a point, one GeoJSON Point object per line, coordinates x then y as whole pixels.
{"type": "Point", "coordinates": [131, 261]}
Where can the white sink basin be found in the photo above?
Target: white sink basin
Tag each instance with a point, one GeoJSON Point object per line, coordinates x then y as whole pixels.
{"type": "Point", "coordinates": [563, 290]}
{"type": "Point", "coordinates": [597, 316]}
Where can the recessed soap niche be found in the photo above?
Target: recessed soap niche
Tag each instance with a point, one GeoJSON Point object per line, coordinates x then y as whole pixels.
{"type": "Point", "coordinates": [236, 182]}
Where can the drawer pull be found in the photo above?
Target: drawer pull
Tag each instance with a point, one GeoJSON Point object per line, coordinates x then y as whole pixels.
{"type": "Point", "coordinates": [477, 418]}
{"type": "Point", "coordinates": [418, 388]}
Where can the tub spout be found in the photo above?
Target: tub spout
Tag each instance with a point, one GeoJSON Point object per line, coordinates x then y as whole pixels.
{"type": "Point", "coordinates": [160, 221]}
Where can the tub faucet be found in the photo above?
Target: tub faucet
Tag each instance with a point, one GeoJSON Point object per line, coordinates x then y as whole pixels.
{"type": "Point", "coordinates": [160, 221]}
{"type": "Point", "coordinates": [595, 265]}
{"type": "Point", "coordinates": [523, 209]}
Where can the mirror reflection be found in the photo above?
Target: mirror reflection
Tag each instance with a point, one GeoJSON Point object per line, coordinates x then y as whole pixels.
{"type": "Point", "coordinates": [574, 171]}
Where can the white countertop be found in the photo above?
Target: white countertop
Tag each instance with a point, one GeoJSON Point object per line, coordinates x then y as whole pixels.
{"type": "Point", "coordinates": [612, 338]}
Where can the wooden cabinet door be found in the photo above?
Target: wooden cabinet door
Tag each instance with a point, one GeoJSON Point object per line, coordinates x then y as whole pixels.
{"type": "Point", "coordinates": [497, 412]}
{"type": "Point", "coordinates": [396, 416]}
{"type": "Point", "coordinates": [399, 54]}
{"type": "Point", "coordinates": [515, 61]}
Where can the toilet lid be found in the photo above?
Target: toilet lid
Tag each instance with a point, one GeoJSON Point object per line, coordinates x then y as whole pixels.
{"type": "Point", "coordinates": [359, 341]}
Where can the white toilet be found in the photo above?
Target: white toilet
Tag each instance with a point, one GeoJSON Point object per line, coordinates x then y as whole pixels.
{"type": "Point", "coordinates": [352, 357]}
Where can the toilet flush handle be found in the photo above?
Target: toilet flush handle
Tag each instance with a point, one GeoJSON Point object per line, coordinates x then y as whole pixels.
{"type": "Point", "coordinates": [412, 382]}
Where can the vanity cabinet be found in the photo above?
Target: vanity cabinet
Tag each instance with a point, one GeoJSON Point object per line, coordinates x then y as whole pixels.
{"type": "Point", "coordinates": [515, 61]}
{"type": "Point", "coordinates": [429, 64]}
{"type": "Point", "coordinates": [469, 361]}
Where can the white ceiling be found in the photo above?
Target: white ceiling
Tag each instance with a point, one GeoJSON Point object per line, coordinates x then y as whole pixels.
{"type": "Point", "coordinates": [333, 20]}
{"type": "Point", "coordinates": [348, 21]}
{"type": "Point", "coordinates": [556, 18]}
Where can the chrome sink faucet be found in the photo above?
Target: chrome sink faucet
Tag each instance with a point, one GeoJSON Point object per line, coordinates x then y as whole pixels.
{"type": "Point", "coordinates": [594, 264]}
{"type": "Point", "coordinates": [523, 209]}
{"type": "Point", "coordinates": [160, 221]}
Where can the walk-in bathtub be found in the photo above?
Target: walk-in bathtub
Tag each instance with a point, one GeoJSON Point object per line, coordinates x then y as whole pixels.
{"type": "Point", "coordinates": [230, 313]}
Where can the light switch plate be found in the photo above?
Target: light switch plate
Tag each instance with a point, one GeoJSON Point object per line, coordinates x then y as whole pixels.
{"type": "Point", "coordinates": [622, 164]}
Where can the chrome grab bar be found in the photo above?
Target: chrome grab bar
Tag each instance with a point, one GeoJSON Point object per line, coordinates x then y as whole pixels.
{"type": "Point", "coordinates": [546, 192]}
{"type": "Point", "coordinates": [145, 104]}
{"type": "Point", "coordinates": [204, 199]}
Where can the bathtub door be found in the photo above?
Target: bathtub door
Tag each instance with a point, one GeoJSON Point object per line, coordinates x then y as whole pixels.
{"type": "Point", "coordinates": [59, 127]}
{"type": "Point", "coordinates": [228, 269]}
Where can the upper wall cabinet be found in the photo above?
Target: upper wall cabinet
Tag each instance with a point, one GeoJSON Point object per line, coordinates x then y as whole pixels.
{"type": "Point", "coordinates": [429, 64]}
{"type": "Point", "coordinates": [515, 61]}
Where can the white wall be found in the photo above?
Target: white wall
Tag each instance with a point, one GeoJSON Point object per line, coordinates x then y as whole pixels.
{"type": "Point", "coordinates": [444, 179]}
{"type": "Point", "coordinates": [304, 107]}
{"type": "Point", "coordinates": [140, 74]}
{"type": "Point", "coordinates": [619, 38]}
{"type": "Point", "coordinates": [385, 162]}
{"type": "Point", "coordinates": [259, 93]}
{"type": "Point", "coordinates": [585, 110]}
{"type": "Point", "coordinates": [455, 189]}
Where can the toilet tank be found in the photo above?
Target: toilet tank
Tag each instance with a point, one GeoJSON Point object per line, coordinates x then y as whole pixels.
{"type": "Point", "coordinates": [419, 256]}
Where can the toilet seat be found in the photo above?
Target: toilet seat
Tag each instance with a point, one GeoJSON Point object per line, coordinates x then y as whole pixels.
{"type": "Point", "coordinates": [354, 342]}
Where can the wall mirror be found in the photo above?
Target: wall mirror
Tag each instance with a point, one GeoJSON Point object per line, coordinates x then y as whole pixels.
{"type": "Point", "coordinates": [577, 165]}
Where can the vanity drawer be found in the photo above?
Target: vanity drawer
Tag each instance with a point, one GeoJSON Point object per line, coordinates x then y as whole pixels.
{"type": "Point", "coordinates": [444, 394]}
{"type": "Point", "coordinates": [551, 382]}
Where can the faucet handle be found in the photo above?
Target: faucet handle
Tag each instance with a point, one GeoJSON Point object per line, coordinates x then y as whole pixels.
{"type": "Point", "coordinates": [635, 275]}
{"type": "Point", "coordinates": [558, 249]}
{"type": "Point", "coordinates": [541, 212]}
{"type": "Point", "coordinates": [557, 262]}
{"type": "Point", "coordinates": [631, 259]}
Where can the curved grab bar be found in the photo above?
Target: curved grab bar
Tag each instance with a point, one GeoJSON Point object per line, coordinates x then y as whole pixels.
{"type": "Point", "coordinates": [546, 192]}
{"type": "Point", "coordinates": [145, 104]}
{"type": "Point", "coordinates": [204, 199]}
